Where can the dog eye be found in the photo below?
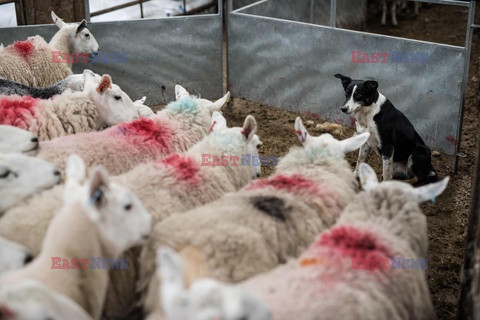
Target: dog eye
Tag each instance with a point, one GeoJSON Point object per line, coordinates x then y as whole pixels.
{"type": "Point", "coordinates": [128, 207]}
{"type": "Point", "coordinates": [118, 98]}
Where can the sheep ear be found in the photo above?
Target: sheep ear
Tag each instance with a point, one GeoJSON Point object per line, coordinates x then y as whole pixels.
{"type": "Point", "coordinates": [345, 80]}
{"type": "Point", "coordinates": [59, 22]}
{"type": "Point", "coordinates": [140, 101]}
{"type": "Point", "coordinates": [355, 142]}
{"type": "Point", "coordinates": [217, 105]}
{"type": "Point", "coordinates": [105, 83]}
{"type": "Point", "coordinates": [300, 131]}
{"type": "Point", "coordinates": [97, 186]}
{"type": "Point", "coordinates": [169, 264]}
{"type": "Point", "coordinates": [430, 191]}
{"type": "Point", "coordinates": [180, 92]}
{"type": "Point", "coordinates": [218, 122]}
{"type": "Point", "coordinates": [75, 170]}
{"type": "Point", "coordinates": [249, 127]}
{"type": "Point", "coordinates": [368, 177]}
{"type": "Point", "coordinates": [81, 26]}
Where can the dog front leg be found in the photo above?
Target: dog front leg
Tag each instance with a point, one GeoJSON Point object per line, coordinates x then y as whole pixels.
{"type": "Point", "coordinates": [362, 156]}
{"type": "Point", "coordinates": [384, 12]}
{"type": "Point", "coordinates": [387, 167]}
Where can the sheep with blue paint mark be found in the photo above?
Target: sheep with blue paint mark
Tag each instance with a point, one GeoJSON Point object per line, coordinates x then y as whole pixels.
{"type": "Point", "coordinates": [253, 230]}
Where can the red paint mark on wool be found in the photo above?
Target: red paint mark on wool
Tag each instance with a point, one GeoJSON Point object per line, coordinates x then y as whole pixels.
{"type": "Point", "coordinates": [16, 111]}
{"type": "Point", "coordinates": [145, 131]}
{"type": "Point", "coordinates": [24, 48]}
{"type": "Point", "coordinates": [362, 246]}
{"type": "Point", "coordinates": [185, 167]}
{"type": "Point", "coordinates": [290, 183]}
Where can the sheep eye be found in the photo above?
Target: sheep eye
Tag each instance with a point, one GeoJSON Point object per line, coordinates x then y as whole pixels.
{"type": "Point", "coordinates": [128, 207]}
{"type": "Point", "coordinates": [118, 98]}
{"type": "Point", "coordinates": [87, 35]}
{"type": "Point", "coordinates": [258, 146]}
{"type": "Point", "coordinates": [6, 174]}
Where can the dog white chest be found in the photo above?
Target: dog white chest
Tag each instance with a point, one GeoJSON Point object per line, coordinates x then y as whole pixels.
{"type": "Point", "coordinates": [365, 123]}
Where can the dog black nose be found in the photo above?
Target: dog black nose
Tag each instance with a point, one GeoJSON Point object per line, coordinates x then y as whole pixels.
{"type": "Point", "coordinates": [34, 139]}
{"type": "Point", "coordinates": [344, 109]}
{"type": "Point", "coordinates": [28, 259]}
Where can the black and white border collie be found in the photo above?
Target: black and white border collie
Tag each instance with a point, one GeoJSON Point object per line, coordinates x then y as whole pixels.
{"type": "Point", "coordinates": [392, 135]}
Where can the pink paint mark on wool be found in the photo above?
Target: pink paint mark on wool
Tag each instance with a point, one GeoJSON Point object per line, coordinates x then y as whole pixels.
{"type": "Point", "coordinates": [24, 48]}
{"type": "Point", "coordinates": [145, 131]}
{"type": "Point", "coordinates": [186, 167]}
{"type": "Point", "coordinates": [362, 246]}
{"type": "Point", "coordinates": [16, 111]}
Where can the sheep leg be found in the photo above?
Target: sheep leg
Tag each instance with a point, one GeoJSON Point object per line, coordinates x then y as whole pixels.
{"type": "Point", "coordinates": [394, 13]}
{"type": "Point", "coordinates": [387, 167]}
{"type": "Point", "coordinates": [362, 156]}
{"type": "Point", "coordinates": [384, 12]}
{"type": "Point", "coordinates": [417, 7]}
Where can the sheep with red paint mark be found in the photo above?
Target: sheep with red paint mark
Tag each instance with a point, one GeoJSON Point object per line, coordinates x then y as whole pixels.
{"type": "Point", "coordinates": [357, 268]}
{"type": "Point", "coordinates": [30, 62]}
{"type": "Point", "coordinates": [120, 148]}
{"type": "Point", "coordinates": [253, 230]}
{"type": "Point", "coordinates": [172, 185]}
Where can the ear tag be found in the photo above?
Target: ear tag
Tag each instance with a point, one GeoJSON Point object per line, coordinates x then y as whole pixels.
{"type": "Point", "coordinates": [97, 194]}
{"type": "Point", "coordinates": [303, 137]}
{"type": "Point", "coordinates": [213, 125]}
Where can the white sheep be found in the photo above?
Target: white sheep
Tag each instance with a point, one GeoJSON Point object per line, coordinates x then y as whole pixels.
{"type": "Point", "coordinates": [370, 264]}
{"type": "Point", "coordinates": [271, 219]}
{"type": "Point", "coordinates": [100, 219]}
{"type": "Point", "coordinates": [175, 184]}
{"type": "Point", "coordinates": [13, 139]}
{"type": "Point", "coordinates": [204, 299]}
{"type": "Point", "coordinates": [30, 300]}
{"type": "Point", "coordinates": [98, 105]}
{"type": "Point", "coordinates": [12, 255]}
{"type": "Point", "coordinates": [22, 176]}
{"type": "Point", "coordinates": [30, 62]}
{"type": "Point", "coordinates": [174, 129]}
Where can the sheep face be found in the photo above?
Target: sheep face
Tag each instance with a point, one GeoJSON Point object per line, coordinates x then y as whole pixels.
{"type": "Point", "coordinates": [237, 142]}
{"type": "Point", "coordinates": [22, 176]}
{"type": "Point", "coordinates": [206, 298]}
{"type": "Point", "coordinates": [81, 39]}
{"type": "Point", "coordinates": [14, 139]}
{"type": "Point", "coordinates": [120, 217]}
{"type": "Point", "coordinates": [31, 300]}
{"type": "Point", "coordinates": [327, 145]}
{"type": "Point", "coordinates": [12, 255]}
{"type": "Point", "coordinates": [113, 105]}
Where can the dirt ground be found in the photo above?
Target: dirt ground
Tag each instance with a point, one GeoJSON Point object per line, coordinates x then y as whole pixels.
{"type": "Point", "coordinates": [448, 216]}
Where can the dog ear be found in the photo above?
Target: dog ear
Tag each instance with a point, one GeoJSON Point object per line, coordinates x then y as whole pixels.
{"type": "Point", "coordinates": [371, 85]}
{"type": "Point", "coordinates": [345, 80]}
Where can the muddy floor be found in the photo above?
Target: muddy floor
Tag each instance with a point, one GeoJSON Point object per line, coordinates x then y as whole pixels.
{"type": "Point", "coordinates": [448, 216]}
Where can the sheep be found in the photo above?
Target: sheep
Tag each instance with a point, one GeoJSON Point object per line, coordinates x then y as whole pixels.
{"type": "Point", "coordinates": [12, 255]}
{"type": "Point", "coordinates": [30, 62]}
{"type": "Point", "coordinates": [357, 269]}
{"type": "Point", "coordinates": [393, 9]}
{"type": "Point", "coordinates": [205, 299]}
{"type": "Point", "coordinates": [100, 104]}
{"type": "Point", "coordinates": [31, 300]}
{"type": "Point", "coordinates": [13, 139]}
{"type": "Point", "coordinates": [99, 219]}
{"type": "Point", "coordinates": [162, 186]}
{"type": "Point", "coordinates": [176, 128]}
{"type": "Point", "coordinates": [253, 230]}
{"type": "Point", "coordinates": [21, 176]}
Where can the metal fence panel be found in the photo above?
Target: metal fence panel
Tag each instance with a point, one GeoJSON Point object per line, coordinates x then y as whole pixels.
{"type": "Point", "coordinates": [161, 53]}
{"type": "Point", "coordinates": [291, 65]}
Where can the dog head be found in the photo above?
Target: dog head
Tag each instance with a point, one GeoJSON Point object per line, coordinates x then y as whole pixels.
{"type": "Point", "coordinates": [358, 93]}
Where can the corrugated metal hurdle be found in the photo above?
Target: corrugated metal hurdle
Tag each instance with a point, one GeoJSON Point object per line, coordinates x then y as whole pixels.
{"type": "Point", "coordinates": [284, 54]}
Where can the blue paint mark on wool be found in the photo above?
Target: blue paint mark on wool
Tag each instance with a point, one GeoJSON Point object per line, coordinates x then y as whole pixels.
{"type": "Point", "coordinates": [184, 105]}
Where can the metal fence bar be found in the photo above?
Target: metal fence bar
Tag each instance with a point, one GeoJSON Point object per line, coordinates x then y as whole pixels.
{"type": "Point", "coordinates": [333, 13]}
{"type": "Point", "coordinates": [468, 45]}
{"type": "Point", "coordinates": [120, 6]}
{"type": "Point", "coordinates": [87, 10]}
{"type": "Point", "coordinates": [447, 2]}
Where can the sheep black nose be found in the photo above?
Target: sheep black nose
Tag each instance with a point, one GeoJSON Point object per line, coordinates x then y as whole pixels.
{"type": "Point", "coordinates": [28, 259]}
{"type": "Point", "coordinates": [56, 172]}
{"type": "Point", "coordinates": [344, 109]}
{"type": "Point", "coordinates": [34, 139]}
